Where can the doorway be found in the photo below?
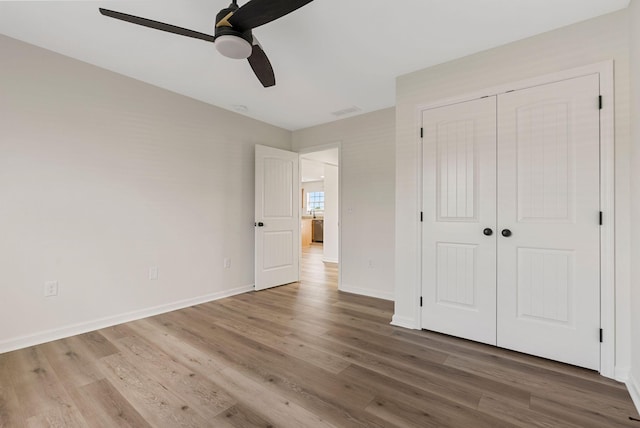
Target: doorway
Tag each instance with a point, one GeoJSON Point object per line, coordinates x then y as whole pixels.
{"type": "Point", "coordinates": [320, 208]}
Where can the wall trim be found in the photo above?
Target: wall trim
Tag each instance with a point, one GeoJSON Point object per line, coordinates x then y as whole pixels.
{"type": "Point", "coordinates": [324, 260]}
{"type": "Point", "coordinates": [621, 374]}
{"type": "Point", "coordinates": [384, 295]}
{"type": "Point", "coordinates": [85, 327]}
{"type": "Point", "coordinates": [634, 390]}
{"type": "Point", "coordinates": [605, 70]}
{"type": "Point", "coordinates": [404, 322]}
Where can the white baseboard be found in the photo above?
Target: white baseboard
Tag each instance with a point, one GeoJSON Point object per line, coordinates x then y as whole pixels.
{"type": "Point", "coordinates": [324, 260]}
{"type": "Point", "coordinates": [621, 374]}
{"type": "Point", "coordinates": [75, 329]}
{"type": "Point", "coordinates": [634, 390]}
{"type": "Point", "coordinates": [384, 295]}
{"type": "Point", "coordinates": [404, 322]}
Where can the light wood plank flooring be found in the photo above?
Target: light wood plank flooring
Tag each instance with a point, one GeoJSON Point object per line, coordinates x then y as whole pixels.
{"type": "Point", "coordinates": [302, 355]}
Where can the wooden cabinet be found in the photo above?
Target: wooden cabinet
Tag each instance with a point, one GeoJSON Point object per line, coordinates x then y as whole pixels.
{"type": "Point", "coordinates": [306, 232]}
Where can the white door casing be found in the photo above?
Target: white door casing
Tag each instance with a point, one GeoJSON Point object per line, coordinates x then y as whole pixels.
{"type": "Point", "coordinates": [459, 260]}
{"type": "Point", "coordinates": [277, 217]}
{"type": "Point", "coordinates": [549, 198]}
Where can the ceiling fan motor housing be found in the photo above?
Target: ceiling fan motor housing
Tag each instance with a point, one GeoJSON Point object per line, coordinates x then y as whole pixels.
{"type": "Point", "coordinates": [231, 42]}
{"type": "Point", "coordinates": [232, 35]}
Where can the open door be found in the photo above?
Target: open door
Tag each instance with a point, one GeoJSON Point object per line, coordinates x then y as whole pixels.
{"type": "Point", "coordinates": [277, 218]}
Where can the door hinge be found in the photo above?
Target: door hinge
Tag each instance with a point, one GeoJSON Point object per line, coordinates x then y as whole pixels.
{"type": "Point", "coordinates": [600, 102]}
{"type": "Point", "coordinates": [601, 219]}
{"type": "Point", "coordinates": [421, 132]}
{"type": "Point", "coordinates": [420, 301]}
{"type": "Point", "coordinates": [601, 335]}
{"type": "Point", "coordinates": [421, 216]}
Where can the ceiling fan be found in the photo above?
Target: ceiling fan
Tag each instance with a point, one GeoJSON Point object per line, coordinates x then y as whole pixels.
{"type": "Point", "coordinates": [233, 37]}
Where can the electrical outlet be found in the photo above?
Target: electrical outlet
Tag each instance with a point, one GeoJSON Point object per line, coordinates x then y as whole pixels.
{"type": "Point", "coordinates": [153, 273]}
{"type": "Point", "coordinates": [227, 263]}
{"type": "Point", "coordinates": [50, 288]}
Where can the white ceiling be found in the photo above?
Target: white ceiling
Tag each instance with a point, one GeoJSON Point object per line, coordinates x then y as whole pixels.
{"type": "Point", "coordinates": [311, 170]}
{"type": "Point", "coordinates": [329, 156]}
{"type": "Point", "coordinates": [312, 164]}
{"type": "Point", "coordinates": [328, 56]}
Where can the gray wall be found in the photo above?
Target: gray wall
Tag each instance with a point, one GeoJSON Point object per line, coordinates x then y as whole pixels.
{"type": "Point", "coordinates": [102, 177]}
{"type": "Point", "coordinates": [367, 197]}
{"type": "Point", "coordinates": [634, 380]}
{"type": "Point", "coordinates": [589, 42]}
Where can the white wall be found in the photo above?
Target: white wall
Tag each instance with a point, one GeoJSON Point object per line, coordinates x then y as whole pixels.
{"type": "Point", "coordinates": [101, 177]}
{"type": "Point", "coordinates": [331, 208]}
{"type": "Point", "coordinates": [634, 379]}
{"type": "Point", "coordinates": [367, 197]}
{"type": "Point", "coordinates": [593, 41]}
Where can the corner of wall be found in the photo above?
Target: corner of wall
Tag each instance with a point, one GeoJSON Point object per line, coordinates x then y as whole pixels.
{"type": "Point", "coordinates": [633, 382]}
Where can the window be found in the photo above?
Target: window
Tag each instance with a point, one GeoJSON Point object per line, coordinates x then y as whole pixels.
{"type": "Point", "coordinates": [315, 201]}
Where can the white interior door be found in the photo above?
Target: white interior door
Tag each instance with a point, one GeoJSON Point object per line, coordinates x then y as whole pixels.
{"type": "Point", "coordinates": [277, 217]}
{"type": "Point", "coordinates": [459, 260]}
{"type": "Point", "coordinates": [549, 199]}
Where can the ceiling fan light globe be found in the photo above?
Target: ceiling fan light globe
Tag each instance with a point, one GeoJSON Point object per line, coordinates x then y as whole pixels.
{"type": "Point", "coordinates": [233, 47]}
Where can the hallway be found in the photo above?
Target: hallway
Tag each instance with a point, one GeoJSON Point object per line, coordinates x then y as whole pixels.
{"type": "Point", "coordinates": [314, 271]}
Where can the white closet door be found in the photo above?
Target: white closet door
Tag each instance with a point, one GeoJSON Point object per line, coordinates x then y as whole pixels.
{"type": "Point", "coordinates": [548, 198]}
{"type": "Point", "coordinates": [459, 260]}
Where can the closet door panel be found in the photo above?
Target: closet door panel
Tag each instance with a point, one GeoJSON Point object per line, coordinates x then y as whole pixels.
{"type": "Point", "coordinates": [459, 260]}
{"type": "Point", "coordinates": [548, 199]}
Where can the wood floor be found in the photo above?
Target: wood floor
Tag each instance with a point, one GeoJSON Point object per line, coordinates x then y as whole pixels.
{"type": "Point", "coordinates": [302, 355]}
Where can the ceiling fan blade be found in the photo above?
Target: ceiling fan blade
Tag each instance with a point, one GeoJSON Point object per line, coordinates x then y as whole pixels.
{"type": "Point", "coordinates": [156, 25]}
{"type": "Point", "coordinates": [261, 66]}
{"type": "Point", "coordinates": [259, 12]}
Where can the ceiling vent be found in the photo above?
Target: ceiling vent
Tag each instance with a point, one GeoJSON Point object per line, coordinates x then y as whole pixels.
{"type": "Point", "coordinates": [346, 111]}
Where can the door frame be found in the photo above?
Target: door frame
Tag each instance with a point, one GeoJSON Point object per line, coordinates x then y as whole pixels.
{"type": "Point", "coordinates": [605, 70]}
{"type": "Point", "coordinates": [319, 148]}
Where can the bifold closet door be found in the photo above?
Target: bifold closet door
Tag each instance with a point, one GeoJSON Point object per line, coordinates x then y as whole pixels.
{"type": "Point", "coordinates": [548, 219]}
{"type": "Point", "coordinates": [459, 236]}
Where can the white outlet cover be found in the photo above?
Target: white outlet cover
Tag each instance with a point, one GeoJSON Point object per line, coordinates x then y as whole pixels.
{"type": "Point", "coordinates": [153, 273]}
{"type": "Point", "coordinates": [50, 288]}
